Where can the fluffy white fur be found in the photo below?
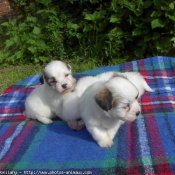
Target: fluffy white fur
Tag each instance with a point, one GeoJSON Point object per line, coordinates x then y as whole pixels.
{"type": "Point", "coordinates": [45, 102]}
{"type": "Point", "coordinates": [107, 104]}
{"type": "Point", "coordinates": [135, 77]}
{"type": "Point", "coordinates": [59, 96]}
{"type": "Point", "coordinates": [71, 104]}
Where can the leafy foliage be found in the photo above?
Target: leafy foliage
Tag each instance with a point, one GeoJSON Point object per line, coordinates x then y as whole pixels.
{"type": "Point", "coordinates": [111, 31]}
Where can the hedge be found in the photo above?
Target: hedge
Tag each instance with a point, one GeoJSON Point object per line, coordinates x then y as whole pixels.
{"type": "Point", "coordinates": [107, 31]}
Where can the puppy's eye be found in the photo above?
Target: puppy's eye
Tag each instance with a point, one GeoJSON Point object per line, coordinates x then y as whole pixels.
{"type": "Point", "coordinates": [127, 106]}
{"type": "Point", "coordinates": [66, 75]}
{"type": "Point", "coordinates": [54, 81]}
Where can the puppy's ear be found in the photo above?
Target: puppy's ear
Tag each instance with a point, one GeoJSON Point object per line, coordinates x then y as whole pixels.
{"type": "Point", "coordinates": [44, 78]}
{"type": "Point", "coordinates": [68, 66]}
{"type": "Point", "coordinates": [41, 79]}
{"type": "Point", "coordinates": [115, 74]}
{"type": "Point", "coordinates": [104, 99]}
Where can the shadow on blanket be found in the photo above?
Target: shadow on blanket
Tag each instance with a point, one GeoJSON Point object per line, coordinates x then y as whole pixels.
{"type": "Point", "coordinates": [145, 146]}
{"type": "Point", "coordinates": [65, 131]}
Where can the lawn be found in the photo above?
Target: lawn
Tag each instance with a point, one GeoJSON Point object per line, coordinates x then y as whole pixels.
{"type": "Point", "coordinates": [12, 74]}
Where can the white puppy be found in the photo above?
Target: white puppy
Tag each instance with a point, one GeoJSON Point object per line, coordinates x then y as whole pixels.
{"type": "Point", "coordinates": [135, 77]}
{"type": "Point", "coordinates": [106, 105]}
{"type": "Point", "coordinates": [71, 103]}
{"type": "Point", "coordinates": [57, 96]}
{"type": "Point", "coordinates": [45, 102]}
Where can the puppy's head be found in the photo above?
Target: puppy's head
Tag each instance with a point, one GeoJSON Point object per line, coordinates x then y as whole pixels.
{"type": "Point", "coordinates": [57, 75]}
{"type": "Point", "coordinates": [119, 98]}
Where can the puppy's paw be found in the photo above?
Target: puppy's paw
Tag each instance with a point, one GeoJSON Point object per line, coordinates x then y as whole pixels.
{"type": "Point", "coordinates": [45, 120]}
{"type": "Point", "coordinates": [76, 125]}
{"type": "Point", "coordinates": [80, 125]}
{"type": "Point", "coordinates": [72, 125]}
{"type": "Point", "coordinates": [107, 143]}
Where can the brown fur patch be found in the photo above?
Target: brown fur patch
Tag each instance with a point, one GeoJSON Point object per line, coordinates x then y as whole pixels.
{"type": "Point", "coordinates": [104, 99]}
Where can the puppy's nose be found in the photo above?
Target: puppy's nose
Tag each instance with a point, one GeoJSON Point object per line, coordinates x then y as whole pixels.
{"type": "Point", "coordinates": [137, 113]}
{"type": "Point", "coordinates": [64, 86]}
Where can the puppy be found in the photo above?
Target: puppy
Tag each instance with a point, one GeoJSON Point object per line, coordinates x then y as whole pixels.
{"type": "Point", "coordinates": [57, 96]}
{"type": "Point", "coordinates": [46, 101]}
{"type": "Point", "coordinates": [135, 77]}
{"type": "Point", "coordinates": [71, 103]}
{"type": "Point", "coordinates": [106, 105]}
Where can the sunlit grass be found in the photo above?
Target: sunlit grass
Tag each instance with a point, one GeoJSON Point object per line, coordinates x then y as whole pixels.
{"type": "Point", "coordinates": [9, 75]}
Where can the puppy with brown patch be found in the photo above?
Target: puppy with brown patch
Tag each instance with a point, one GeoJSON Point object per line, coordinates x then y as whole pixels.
{"type": "Point", "coordinates": [106, 105]}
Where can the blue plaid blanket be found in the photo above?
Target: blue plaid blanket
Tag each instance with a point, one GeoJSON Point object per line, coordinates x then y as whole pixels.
{"type": "Point", "coordinates": [145, 146]}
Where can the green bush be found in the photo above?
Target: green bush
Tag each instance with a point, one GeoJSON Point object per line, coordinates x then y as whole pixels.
{"type": "Point", "coordinates": [107, 31]}
{"type": "Point", "coordinates": [34, 38]}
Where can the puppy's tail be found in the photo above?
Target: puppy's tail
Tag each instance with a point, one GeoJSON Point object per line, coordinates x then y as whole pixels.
{"type": "Point", "coordinates": [147, 88]}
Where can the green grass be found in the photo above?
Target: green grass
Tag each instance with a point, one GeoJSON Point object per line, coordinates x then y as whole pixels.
{"type": "Point", "coordinates": [12, 74]}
